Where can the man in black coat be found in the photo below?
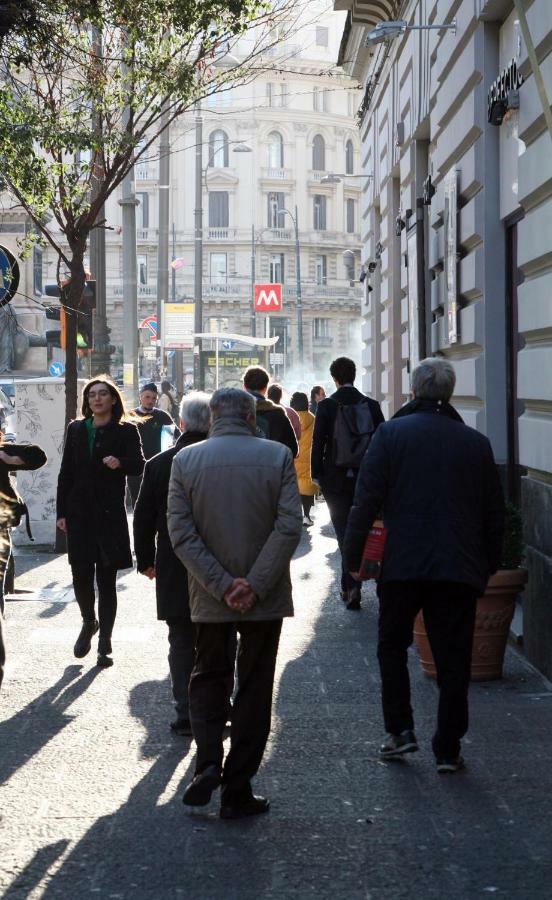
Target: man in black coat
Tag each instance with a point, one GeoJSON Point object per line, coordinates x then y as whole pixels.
{"type": "Point", "coordinates": [159, 561]}
{"type": "Point", "coordinates": [272, 421]}
{"type": "Point", "coordinates": [151, 430]}
{"type": "Point", "coordinates": [338, 483]}
{"type": "Point", "coordinates": [438, 484]}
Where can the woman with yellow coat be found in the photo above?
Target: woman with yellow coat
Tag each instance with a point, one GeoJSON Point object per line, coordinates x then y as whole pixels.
{"type": "Point", "coordinates": [307, 488]}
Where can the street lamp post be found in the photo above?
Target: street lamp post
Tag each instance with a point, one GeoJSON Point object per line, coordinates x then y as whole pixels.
{"type": "Point", "coordinates": [198, 254]}
{"type": "Point", "coordinates": [242, 147]}
{"type": "Point", "coordinates": [295, 220]}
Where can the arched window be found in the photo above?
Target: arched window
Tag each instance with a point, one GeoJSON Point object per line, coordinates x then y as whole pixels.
{"type": "Point", "coordinates": [319, 153]}
{"type": "Point", "coordinates": [275, 150]}
{"type": "Point", "coordinates": [349, 157]}
{"type": "Point", "coordinates": [218, 149]}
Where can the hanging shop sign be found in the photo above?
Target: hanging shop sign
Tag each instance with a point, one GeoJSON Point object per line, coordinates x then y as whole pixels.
{"type": "Point", "coordinates": [502, 94]}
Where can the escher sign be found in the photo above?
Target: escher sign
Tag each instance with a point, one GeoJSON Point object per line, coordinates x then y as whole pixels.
{"type": "Point", "coordinates": [268, 298]}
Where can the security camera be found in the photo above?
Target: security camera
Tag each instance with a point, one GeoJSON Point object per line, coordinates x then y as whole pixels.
{"type": "Point", "coordinates": [372, 266]}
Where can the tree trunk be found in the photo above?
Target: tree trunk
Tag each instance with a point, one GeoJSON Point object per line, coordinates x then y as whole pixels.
{"type": "Point", "coordinates": [71, 303]}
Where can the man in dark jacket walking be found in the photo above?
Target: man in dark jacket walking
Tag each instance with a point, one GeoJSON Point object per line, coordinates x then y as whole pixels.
{"type": "Point", "coordinates": [272, 421]}
{"type": "Point", "coordinates": [438, 484]}
{"type": "Point", "coordinates": [336, 482]}
{"type": "Point", "coordinates": [151, 430]}
{"type": "Point", "coordinates": [156, 559]}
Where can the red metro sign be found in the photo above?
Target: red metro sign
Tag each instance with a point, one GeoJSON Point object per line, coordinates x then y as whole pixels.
{"type": "Point", "coordinates": [268, 298]}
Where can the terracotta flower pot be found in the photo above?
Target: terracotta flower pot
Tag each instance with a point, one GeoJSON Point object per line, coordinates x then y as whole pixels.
{"type": "Point", "coordinates": [494, 613]}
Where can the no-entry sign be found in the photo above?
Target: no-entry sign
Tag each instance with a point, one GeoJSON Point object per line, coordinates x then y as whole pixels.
{"type": "Point", "coordinates": [268, 298]}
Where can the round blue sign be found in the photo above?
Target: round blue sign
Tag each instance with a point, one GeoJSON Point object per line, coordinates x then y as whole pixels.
{"type": "Point", "coordinates": [9, 275]}
{"type": "Point", "coordinates": [56, 369]}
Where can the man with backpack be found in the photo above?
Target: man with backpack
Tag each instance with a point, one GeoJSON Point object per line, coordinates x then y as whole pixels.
{"type": "Point", "coordinates": [344, 425]}
{"type": "Point", "coordinates": [272, 421]}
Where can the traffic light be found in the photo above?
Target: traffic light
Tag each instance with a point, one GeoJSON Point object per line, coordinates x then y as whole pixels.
{"type": "Point", "coordinates": [84, 313]}
{"type": "Point", "coordinates": [57, 337]}
{"type": "Point", "coordinates": [85, 318]}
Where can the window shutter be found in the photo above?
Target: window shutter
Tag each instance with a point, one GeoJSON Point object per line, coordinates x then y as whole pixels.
{"type": "Point", "coordinates": [145, 210]}
{"type": "Point", "coordinates": [281, 201]}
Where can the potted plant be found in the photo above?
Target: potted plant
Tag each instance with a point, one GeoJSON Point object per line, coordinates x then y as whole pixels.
{"type": "Point", "coordinates": [494, 610]}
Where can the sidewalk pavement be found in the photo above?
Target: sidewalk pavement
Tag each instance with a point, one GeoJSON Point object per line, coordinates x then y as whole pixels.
{"type": "Point", "coordinates": [91, 777]}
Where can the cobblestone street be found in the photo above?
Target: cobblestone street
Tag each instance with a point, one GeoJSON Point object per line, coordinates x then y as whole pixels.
{"type": "Point", "coordinates": [91, 777]}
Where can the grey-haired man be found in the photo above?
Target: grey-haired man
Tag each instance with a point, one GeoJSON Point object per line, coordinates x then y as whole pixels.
{"type": "Point", "coordinates": [234, 518]}
{"type": "Point", "coordinates": [439, 488]}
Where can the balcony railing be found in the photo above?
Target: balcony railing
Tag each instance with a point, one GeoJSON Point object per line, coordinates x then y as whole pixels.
{"type": "Point", "coordinates": [276, 234]}
{"type": "Point", "coordinates": [147, 234]}
{"type": "Point", "coordinates": [146, 173]}
{"type": "Point", "coordinates": [276, 173]}
{"type": "Point", "coordinates": [221, 234]}
{"type": "Point", "coordinates": [316, 175]}
{"type": "Point", "coordinates": [319, 341]}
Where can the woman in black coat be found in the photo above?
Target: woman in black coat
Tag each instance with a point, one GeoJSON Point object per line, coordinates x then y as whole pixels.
{"type": "Point", "coordinates": [13, 457]}
{"type": "Point", "coordinates": [101, 449]}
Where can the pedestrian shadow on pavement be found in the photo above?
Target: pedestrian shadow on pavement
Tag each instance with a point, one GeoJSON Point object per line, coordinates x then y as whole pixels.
{"type": "Point", "coordinates": [54, 609]}
{"type": "Point", "coordinates": [140, 850]}
{"type": "Point", "coordinates": [31, 728]}
{"type": "Point", "coordinates": [35, 870]}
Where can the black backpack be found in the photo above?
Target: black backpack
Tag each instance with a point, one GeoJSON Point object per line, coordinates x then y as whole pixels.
{"type": "Point", "coordinates": [353, 430]}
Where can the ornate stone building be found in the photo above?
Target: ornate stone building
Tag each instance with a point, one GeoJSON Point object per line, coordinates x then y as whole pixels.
{"type": "Point", "coordinates": [457, 228]}
{"type": "Point", "coordinates": [267, 147]}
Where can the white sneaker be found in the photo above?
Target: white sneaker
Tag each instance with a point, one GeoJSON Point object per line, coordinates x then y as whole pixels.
{"type": "Point", "coordinates": [307, 522]}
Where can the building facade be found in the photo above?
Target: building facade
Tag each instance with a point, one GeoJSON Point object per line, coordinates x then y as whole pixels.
{"type": "Point", "coordinates": [456, 228]}
{"type": "Point", "coordinates": [266, 148]}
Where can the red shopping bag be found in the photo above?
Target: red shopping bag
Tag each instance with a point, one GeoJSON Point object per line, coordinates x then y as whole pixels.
{"type": "Point", "coordinates": [372, 556]}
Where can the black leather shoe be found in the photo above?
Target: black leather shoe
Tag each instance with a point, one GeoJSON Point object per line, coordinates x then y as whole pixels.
{"type": "Point", "coordinates": [84, 640]}
{"type": "Point", "coordinates": [104, 661]}
{"type": "Point", "coordinates": [396, 745]}
{"type": "Point", "coordinates": [354, 598]}
{"type": "Point", "coordinates": [182, 727]}
{"type": "Point", "coordinates": [202, 785]}
{"type": "Point", "coordinates": [253, 806]}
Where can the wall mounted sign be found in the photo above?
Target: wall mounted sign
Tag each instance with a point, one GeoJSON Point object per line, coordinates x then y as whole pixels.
{"type": "Point", "coordinates": [510, 79]}
{"type": "Point", "coordinates": [451, 234]}
{"type": "Point", "coordinates": [413, 319]}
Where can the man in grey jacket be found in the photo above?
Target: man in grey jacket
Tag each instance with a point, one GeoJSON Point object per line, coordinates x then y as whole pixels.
{"type": "Point", "coordinates": [234, 518]}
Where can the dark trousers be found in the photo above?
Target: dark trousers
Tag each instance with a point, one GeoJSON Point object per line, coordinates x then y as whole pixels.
{"type": "Point", "coordinates": [307, 502]}
{"type": "Point", "coordinates": [339, 505]}
{"type": "Point", "coordinates": [449, 615]}
{"type": "Point", "coordinates": [83, 585]}
{"type": "Point", "coordinates": [181, 660]}
{"type": "Point", "coordinates": [2, 652]}
{"type": "Point", "coordinates": [5, 553]}
{"type": "Point", "coordinates": [210, 690]}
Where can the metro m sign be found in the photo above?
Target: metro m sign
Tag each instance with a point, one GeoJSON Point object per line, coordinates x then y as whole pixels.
{"type": "Point", "coordinates": [268, 298]}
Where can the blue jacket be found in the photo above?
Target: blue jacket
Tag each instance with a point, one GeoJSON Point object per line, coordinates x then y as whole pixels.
{"type": "Point", "coordinates": [437, 483]}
